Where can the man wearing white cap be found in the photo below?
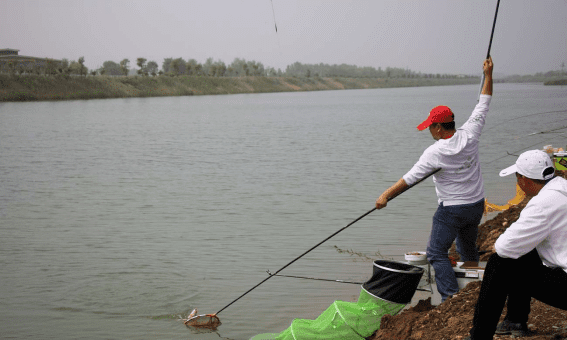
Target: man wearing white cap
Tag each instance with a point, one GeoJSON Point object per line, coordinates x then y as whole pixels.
{"type": "Point", "coordinates": [458, 184]}
{"type": "Point", "coordinates": [531, 255]}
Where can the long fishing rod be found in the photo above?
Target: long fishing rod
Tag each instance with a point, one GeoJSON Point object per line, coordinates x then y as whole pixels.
{"type": "Point", "coordinates": [320, 243]}
{"type": "Point", "coordinates": [274, 14]}
{"type": "Point", "coordinates": [489, 46]}
{"type": "Point", "coordinates": [276, 26]}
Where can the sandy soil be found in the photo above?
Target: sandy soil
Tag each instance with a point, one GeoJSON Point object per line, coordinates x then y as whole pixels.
{"type": "Point", "coordinates": [453, 318]}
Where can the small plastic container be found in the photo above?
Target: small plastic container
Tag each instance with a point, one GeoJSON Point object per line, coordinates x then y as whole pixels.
{"type": "Point", "coordinates": [416, 257]}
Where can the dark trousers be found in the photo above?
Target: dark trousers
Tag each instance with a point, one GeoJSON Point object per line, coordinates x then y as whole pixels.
{"type": "Point", "coordinates": [518, 280]}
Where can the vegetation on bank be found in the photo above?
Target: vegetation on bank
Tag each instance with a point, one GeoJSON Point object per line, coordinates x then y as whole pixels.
{"type": "Point", "coordinates": [66, 80]}
{"type": "Point", "coordinates": [556, 82]}
{"type": "Point", "coordinates": [548, 78]}
{"type": "Point", "coordinates": [65, 87]}
{"type": "Point", "coordinates": [191, 67]}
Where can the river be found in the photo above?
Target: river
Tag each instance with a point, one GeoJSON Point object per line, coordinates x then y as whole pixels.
{"type": "Point", "coordinates": [119, 216]}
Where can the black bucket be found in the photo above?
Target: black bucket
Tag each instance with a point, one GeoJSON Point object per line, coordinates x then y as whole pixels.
{"type": "Point", "coordinates": [393, 281]}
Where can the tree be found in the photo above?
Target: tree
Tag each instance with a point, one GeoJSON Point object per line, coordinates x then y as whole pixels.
{"type": "Point", "coordinates": [141, 62]}
{"type": "Point", "coordinates": [191, 67]}
{"type": "Point", "coordinates": [75, 68]}
{"type": "Point", "coordinates": [166, 65]}
{"type": "Point", "coordinates": [180, 69]}
{"type": "Point", "coordinates": [50, 67]}
{"type": "Point", "coordinates": [220, 68]}
{"type": "Point", "coordinates": [64, 66]}
{"type": "Point", "coordinates": [152, 68]}
{"type": "Point", "coordinates": [124, 66]}
{"type": "Point", "coordinates": [207, 66]}
{"type": "Point", "coordinates": [237, 67]}
{"type": "Point", "coordinates": [199, 69]}
{"type": "Point", "coordinates": [256, 68]}
{"type": "Point", "coordinates": [83, 68]}
{"type": "Point", "coordinates": [175, 67]}
{"type": "Point", "coordinates": [112, 68]}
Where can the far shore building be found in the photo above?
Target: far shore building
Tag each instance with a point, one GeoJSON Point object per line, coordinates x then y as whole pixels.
{"type": "Point", "coordinates": [8, 55]}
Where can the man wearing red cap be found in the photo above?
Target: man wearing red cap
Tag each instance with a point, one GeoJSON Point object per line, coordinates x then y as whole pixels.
{"type": "Point", "coordinates": [458, 184]}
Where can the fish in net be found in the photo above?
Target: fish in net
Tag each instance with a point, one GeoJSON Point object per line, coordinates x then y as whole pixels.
{"type": "Point", "coordinates": [209, 321]}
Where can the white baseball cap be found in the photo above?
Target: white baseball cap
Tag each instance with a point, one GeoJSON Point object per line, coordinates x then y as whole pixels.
{"type": "Point", "coordinates": [534, 164]}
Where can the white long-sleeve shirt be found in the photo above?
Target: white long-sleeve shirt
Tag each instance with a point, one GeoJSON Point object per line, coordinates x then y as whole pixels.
{"type": "Point", "coordinates": [542, 225]}
{"type": "Point", "coordinates": [460, 178]}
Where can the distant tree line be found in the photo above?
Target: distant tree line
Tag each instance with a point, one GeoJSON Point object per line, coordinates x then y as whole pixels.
{"type": "Point", "coordinates": [353, 71]}
{"type": "Point", "coordinates": [238, 68]}
{"type": "Point", "coordinates": [178, 67]}
{"type": "Point", "coordinates": [211, 68]}
{"type": "Point", "coordinates": [538, 77]}
{"type": "Point", "coordinates": [241, 67]}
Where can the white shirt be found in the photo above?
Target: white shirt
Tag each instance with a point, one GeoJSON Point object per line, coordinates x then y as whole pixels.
{"type": "Point", "coordinates": [542, 225]}
{"type": "Point", "coordinates": [460, 178]}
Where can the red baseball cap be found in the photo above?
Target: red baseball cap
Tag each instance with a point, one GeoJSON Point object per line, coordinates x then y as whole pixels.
{"type": "Point", "coordinates": [439, 114]}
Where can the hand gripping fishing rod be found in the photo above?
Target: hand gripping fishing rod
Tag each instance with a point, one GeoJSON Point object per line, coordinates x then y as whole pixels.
{"type": "Point", "coordinates": [489, 46]}
{"type": "Point", "coordinates": [320, 243]}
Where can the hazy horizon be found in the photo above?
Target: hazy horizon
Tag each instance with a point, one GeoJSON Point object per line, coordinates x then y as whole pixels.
{"type": "Point", "coordinates": [429, 36]}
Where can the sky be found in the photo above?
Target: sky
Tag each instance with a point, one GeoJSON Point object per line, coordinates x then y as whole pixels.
{"type": "Point", "coordinates": [428, 36]}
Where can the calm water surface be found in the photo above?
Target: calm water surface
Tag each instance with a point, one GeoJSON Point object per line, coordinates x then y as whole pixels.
{"type": "Point", "coordinates": [119, 216]}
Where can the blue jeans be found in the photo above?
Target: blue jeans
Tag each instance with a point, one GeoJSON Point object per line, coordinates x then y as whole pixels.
{"type": "Point", "coordinates": [458, 222]}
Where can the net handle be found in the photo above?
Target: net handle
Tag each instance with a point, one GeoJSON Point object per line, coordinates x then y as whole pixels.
{"type": "Point", "coordinates": [325, 240]}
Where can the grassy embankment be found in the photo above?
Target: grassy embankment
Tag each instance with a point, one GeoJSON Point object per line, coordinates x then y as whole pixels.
{"type": "Point", "coordinates": [556, 82]}
{"type": "Point", "coordinates": [32, 87]}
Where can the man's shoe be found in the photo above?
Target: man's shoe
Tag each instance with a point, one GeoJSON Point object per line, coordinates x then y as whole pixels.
{"type": "Point", "coordinates": [516, 329]}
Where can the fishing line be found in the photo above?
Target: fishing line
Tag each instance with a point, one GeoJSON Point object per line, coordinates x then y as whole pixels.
{"type": "Point", "coordinates": [313, 278]}
{"type": "Point", "coordinates": [530, 134]}
{"type": "Point", "coordinates": [515, 152]}
{"type": "Point", "coordinates": [328, 280]}
{"type": "Point", "coordinates": [548, 131]}
{"type": "Point", "coordinates": [530, 115]}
